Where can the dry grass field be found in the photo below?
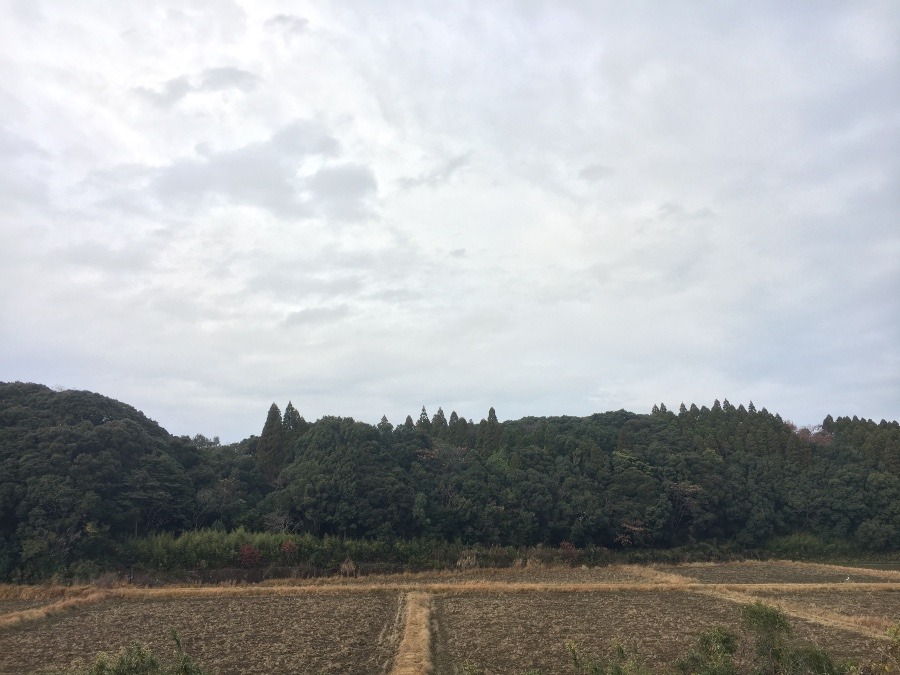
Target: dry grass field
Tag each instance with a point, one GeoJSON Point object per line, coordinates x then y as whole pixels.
{"type": "Point", "coordinates": [506, 621]}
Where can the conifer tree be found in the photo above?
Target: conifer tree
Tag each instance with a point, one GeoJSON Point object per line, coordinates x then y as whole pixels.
{"type": "Point", "coordinates": [458, 430]}
{"type": "Point", "coordinates": [439, 424]}
{"type": "Point", "coordinates": [424, 424]}
{"type": "Point", "coordinates": [489, 434]}
{"type": "Point", "coordinates": [384, 425]}
{"type": "Point", "coordinates": [270, 450]}
{"type": "Point", "coordinates": [293, 424]}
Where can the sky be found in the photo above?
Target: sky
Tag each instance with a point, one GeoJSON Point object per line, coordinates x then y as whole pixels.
{"type": "Point", "coordinates": [369, 207]}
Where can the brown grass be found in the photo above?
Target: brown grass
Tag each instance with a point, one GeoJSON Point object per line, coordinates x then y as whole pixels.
{"type": "Point", "coordinates": [42, 612]}
{"type": "Point", "coordinates": [414, 654]}
{"type": "Point", "coordinates": [657, 576]}
{"type": "Point", "coordinates": [43, 592]}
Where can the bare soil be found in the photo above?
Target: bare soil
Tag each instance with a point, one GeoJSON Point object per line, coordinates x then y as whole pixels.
{"type": "Point", "coordinates": [882, 603]}
{"type": "Point", "coordinates": [503, 620]}
{"type": "Point", "coordinates": [316, 633]}
{"type": "Point", "coordinates": [777, 572]}
{"type": "Point", "coordinates": [511, 633]}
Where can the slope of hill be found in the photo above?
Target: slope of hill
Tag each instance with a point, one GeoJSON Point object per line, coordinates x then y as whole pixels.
{"type": "Point", "coordinates": [80, 472]}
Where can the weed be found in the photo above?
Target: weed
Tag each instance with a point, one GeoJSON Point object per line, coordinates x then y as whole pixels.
{"type": "Point", "coordinates": [138, 659]}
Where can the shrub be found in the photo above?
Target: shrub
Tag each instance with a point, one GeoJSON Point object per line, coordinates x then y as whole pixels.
{"type": "Point", "coordinates": [288, 551]}
{"type": "Point", "coordinates": [138, 659]}
{"type": "Point", "coordinates": [569, 551]}
{"type": "Point", "coordinates": [249, 556]}
{"type": "Point", "coordinates": [618, 661]}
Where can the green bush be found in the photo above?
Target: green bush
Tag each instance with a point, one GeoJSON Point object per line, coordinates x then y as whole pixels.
{"type": "Point", "coordinates": [138, 659]}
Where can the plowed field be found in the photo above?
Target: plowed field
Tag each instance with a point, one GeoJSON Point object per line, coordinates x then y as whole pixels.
{"type": "Point", "coordinates": [505, 621]}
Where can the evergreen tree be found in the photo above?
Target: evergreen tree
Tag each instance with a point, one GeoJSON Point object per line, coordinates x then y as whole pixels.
{"type": "Point", "coordinates": [293, 424]}
{"type": "Point", "coordinates": [439, 424]}
{"type": "Point", "coordinates": [384, 426]}
{"type": "Point", "coordinates": [458, 430]}
{"type": "Point", "coordinates": [424, 424]}
{"type": "Point", "coordinates": [271, 448]}
{"type": "Point", "coordinates": [489, 434]}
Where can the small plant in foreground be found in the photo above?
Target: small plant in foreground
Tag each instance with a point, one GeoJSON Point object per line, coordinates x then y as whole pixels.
{"type": "Point", "coordinates": [138, 659]}
{"type": "Point", "coordinates": [619, 661]}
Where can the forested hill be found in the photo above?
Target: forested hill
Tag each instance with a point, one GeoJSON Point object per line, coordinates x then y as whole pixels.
{"type": "Point", "coordinates": [80, 473]}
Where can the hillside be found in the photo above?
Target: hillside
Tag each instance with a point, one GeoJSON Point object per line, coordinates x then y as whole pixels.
{"type": "Point", "coordinates": [80, 473]}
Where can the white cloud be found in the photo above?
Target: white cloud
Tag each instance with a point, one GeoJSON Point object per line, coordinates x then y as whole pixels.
{"type": "Point", "coordinates": [544, 208]}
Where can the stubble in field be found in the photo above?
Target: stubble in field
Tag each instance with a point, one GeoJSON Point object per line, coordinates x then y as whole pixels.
{"type": "Point", "coordinates": [315, 633]}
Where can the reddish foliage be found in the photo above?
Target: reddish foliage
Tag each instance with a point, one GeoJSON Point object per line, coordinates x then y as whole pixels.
{"type": "Point", "coordinates": [249, 556]}
{"type": "Point", "coordinates": [569, 550]}
{"type": "Point", "coordinates": [288, 551]}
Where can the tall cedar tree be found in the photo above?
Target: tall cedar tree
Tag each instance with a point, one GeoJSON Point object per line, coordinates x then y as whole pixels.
{"type": "Point", "coordinates": [271, 452]}
{"type": "Point", "coordinates": [293, 424]}
{"type": "Point", "coordinates": [489, 435]}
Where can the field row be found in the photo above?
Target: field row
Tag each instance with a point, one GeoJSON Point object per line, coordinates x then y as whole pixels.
{"type": "Point", "coordinates": [506, 621]}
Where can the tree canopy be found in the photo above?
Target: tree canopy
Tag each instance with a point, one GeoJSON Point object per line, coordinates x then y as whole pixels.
{"type": "Point", "coordinates": [80, 471]}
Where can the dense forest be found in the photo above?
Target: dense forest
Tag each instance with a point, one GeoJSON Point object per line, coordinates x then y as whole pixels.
{"type": "Point", "coordinates": [84, 477]}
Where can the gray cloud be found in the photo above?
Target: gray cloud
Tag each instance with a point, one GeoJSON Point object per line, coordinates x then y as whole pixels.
{"type": "Point", "coordinates": [664, 205]}
{"type": "Point", "coordinates": [269, 175]}
{"type": "Point", "coordinates": [24, 166]}
{"type": "Point", "coordinates": [293, 285]}
{"type": "Point", "coordinates": [342, 191]}
{"type": "Point", "coordinates": [217, 79]}
{"type": "Point", "coordinates": [438, 175]}
{"type": "Point", "coordinates": [315, 315]}
{"type": "Point", "coordinates": [99, 255]}
{"type": "Point", "coordinates": [595, 172]}
{"type": "Point", "coordinates": [288, 24]}
{"type": "Point", "coordinates": [211, 79]}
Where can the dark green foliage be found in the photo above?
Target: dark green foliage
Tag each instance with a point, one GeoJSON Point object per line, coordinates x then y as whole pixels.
{"type": "Point", "coordinates": [713, 655]}
{"type": "Point", "coordinates": [293, 425]}
{"type": "Point", "coordinates": [78, 471]}
{"type": "Point", "coordinates": [80, 474]}
{"type": "Point", "coordinates": [272, 449]}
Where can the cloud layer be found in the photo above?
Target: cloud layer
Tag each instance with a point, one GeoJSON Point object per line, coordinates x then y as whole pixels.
{"type": "Point", "coordinates": [545, 209]}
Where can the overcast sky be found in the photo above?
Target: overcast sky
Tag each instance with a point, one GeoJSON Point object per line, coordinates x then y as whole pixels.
{"type": "Point", "coordinates": [366, 207]}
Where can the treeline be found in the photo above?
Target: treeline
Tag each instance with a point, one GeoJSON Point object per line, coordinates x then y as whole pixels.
{"type": "Point", "coordinates": [82, 476]}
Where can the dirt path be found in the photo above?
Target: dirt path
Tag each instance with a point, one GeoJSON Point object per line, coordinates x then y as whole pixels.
{"type": "Point", "coordinates": [414, 654]}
